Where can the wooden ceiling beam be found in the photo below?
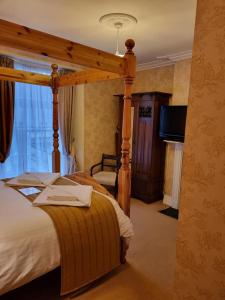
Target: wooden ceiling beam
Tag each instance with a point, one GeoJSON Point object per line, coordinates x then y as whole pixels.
{"type": "Point", "coordinates": [23, 76]}
{"type": "Point", "coordinates": [86, 76]}
{"type": "Point", "coordinates": [34, 41]}
{"type": "Point", "coordinates": [32, 58]}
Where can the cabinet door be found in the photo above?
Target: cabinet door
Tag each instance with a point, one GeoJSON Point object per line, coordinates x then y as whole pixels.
{"type": "Point", "coordinates": [142, 146]}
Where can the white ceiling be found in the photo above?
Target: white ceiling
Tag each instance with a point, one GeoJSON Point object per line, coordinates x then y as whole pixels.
{"type": "Point", "coordinates": [164, 26]}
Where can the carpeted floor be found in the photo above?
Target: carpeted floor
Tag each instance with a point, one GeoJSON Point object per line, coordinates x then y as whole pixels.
{"type": "Point", "coordinates": [148, 274]}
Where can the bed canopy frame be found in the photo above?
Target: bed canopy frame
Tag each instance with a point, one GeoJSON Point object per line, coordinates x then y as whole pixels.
{"type": "Point", "coordinates": [103, 66]}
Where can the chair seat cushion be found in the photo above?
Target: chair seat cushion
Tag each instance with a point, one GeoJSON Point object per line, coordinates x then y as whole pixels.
{"type": "Point", "coordinates": [105, 177]}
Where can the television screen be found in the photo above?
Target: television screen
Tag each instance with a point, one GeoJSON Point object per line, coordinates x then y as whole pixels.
{"type": "Point", "coordinates": [172, 122]}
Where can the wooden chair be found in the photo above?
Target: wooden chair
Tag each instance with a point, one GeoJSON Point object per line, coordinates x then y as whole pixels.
{"type": "Point", "coordinates": [107, 173]}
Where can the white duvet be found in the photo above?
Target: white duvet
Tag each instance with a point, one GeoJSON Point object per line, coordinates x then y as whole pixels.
{"type": "Point", "coordinates": [28, 242]}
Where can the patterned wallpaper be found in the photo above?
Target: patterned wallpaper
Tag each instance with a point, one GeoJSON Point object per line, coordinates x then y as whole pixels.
{"type": "Point", "coordinates": [181, 82]}
{"type": "Point", "coordinates": [158, 79]}
{"type": "Point", "coordinates": [101, 109]}
{"type": "Point", "coordinates": [100, 120]}
{"type": "Point", "coordinates": [200, 268]}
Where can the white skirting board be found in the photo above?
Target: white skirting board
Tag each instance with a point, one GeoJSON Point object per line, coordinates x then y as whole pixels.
{"type": "Point", "coordinates": [173, 200]}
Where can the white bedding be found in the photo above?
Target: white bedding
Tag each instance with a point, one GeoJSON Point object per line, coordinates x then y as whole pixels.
{"type": "Point", "coordinates": [28, 241]}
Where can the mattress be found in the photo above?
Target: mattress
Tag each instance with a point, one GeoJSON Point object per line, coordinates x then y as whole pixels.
{"type": "Point", "coordinates": [28, 241]}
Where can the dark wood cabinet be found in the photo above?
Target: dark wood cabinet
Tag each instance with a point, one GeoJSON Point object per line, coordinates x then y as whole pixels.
{"type": "Point", "coordinates": [148, 150]}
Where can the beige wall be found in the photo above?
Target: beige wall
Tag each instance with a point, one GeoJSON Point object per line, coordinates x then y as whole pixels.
{"type": "Point", "coordinates": [101, 109]}
{"type": "Point", "coordinates": [100, 120]}
{"type": "Point", "coordinates": [200, 267]}
{"type": "Point", "coordinates": [181, 82]}
{"type": "Point", "coordinates": [158, 79]}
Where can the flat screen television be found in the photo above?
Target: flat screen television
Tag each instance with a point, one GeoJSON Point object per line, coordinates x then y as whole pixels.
{"type": "Point", "coordinates": [172, 122]}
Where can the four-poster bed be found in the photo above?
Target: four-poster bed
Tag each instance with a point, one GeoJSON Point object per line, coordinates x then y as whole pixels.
{"type": "Point", "coordinates": [103, 66]}
{"type": "Point", "coordinates": [106, 66]}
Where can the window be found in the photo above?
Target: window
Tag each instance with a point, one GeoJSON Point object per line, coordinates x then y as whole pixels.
{"type": "Point", "coordinates": [31, 148]}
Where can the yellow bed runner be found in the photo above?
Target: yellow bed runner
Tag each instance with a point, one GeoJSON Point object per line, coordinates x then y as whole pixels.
{"type": "Point", "coordinates": [89, 240]}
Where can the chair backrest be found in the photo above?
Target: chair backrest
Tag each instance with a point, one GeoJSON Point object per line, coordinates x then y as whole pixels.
{"type": "Point", "coordinates": [110, 161]}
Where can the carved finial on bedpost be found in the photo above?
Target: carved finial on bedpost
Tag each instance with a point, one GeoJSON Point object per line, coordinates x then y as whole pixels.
{"type": "Point", "coordinates": [130, 45]}
{"type": "Point", "coordinates": [55, 89]}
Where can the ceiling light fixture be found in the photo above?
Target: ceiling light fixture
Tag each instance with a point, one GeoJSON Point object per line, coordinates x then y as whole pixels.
{"type": "Point", "coordinates": [118, 21]}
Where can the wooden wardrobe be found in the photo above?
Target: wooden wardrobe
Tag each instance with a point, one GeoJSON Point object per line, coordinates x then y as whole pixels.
{"type": "Point", "coordinates": [148, 150]}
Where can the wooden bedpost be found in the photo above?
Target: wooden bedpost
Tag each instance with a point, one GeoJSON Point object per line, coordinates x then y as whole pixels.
{"type": "Point", "coordinates": [55, 88]}
{"type": "Point", "coordinates": [124, 172]}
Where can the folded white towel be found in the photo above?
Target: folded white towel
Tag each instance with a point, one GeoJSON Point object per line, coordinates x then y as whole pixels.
{"type": "Point", "coordinates": [34, 178]}
{"type": "Point", "coordinates": [78, 195]}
